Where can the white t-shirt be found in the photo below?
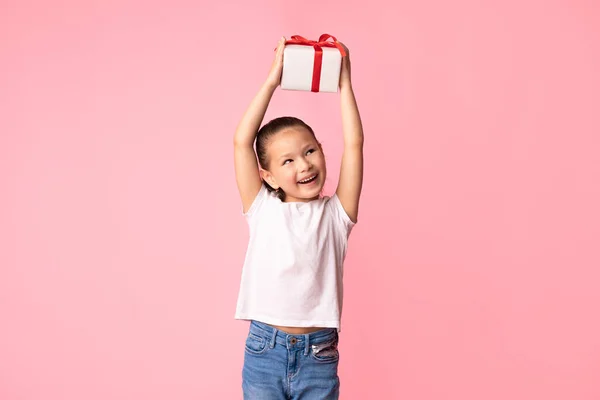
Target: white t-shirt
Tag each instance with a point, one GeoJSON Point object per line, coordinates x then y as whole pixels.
{"type": "Point", "coordinates": [292, 274]}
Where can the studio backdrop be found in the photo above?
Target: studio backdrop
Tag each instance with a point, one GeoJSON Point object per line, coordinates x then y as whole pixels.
{"type": "Point", "coordinates": [473, 270]}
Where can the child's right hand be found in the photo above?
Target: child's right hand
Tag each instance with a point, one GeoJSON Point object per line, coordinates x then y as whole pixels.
{"type": "Point", "coordinates": [274, 77]}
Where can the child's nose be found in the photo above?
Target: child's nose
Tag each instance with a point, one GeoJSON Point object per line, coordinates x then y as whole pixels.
{"type": "Point", "coordinates": [304, 164]}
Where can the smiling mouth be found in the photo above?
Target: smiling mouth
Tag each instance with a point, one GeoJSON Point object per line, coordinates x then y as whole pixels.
{"type": "Point", "coordinates": [309, 180]}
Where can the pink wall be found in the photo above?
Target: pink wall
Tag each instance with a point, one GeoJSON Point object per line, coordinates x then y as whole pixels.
{"type": "Point", "coordinates": [473, 273]}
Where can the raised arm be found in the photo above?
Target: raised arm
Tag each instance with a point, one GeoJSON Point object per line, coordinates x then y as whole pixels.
{"type": "Point", "coordinates": [351, 172]}
{"type": "Point", "coordinates": [246, 167]}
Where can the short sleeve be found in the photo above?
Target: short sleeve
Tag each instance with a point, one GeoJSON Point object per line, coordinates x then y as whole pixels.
{"type": "Point", "coordinates": [340, 215]}
{"type": "Point", "coordinates": [257, 204]}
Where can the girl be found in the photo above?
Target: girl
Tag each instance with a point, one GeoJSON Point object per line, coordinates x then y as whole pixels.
{"type": "Point", "coordinates": [291, 286]}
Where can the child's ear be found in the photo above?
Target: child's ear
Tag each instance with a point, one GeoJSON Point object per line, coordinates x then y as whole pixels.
{"type": "Point", "coordinates": [268, 177]}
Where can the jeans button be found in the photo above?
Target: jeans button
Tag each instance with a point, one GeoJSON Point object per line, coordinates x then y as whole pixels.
{"type": "Point", "coordinates": [293, 340]}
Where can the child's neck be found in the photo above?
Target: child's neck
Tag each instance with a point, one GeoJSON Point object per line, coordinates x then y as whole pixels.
{"type": "Point", "coordinates": [289, 199]}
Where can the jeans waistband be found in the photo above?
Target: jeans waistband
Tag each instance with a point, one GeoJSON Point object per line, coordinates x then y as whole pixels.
{"type": "Point", "coordinates": [276, 336]}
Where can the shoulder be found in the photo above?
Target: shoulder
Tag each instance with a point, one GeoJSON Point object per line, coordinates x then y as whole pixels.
{"type": "Point", "coordinates": [334, 207]}
{"type": "Point", "coordinates": [264, 198]}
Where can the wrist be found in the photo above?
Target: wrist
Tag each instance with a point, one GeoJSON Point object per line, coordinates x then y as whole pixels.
{"type": "Point", "coordinates": [270, 86]}
{"type": "Point", "coordinates": [345, 86]}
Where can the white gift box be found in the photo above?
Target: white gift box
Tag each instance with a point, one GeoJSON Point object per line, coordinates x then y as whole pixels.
{"type": "Point", "coordinates": [298, 65]}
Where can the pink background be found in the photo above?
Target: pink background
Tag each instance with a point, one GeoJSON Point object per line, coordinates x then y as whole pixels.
{"type": "Point", "coordinates": [474, 270]}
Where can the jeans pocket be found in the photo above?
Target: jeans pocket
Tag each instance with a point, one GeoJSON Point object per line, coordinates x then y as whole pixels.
{"type": "Point", "coordinates": [326, 352]}
{"type": "Point", "coordinates": [255, 344]}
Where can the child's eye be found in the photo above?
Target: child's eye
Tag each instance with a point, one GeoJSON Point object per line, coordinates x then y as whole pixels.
{"type": "Point", "coordinates": [287, 161]}
{"type": "Point", "coordinates": [310, 151]}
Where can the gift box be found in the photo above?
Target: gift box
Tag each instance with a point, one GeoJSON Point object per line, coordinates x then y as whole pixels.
{"type": "Point", "coordinates": [312, 65]}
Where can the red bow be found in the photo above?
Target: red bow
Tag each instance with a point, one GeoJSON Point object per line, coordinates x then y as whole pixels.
{"type": "Point", "coordinates": [322, 42]}
{"type": "Point", "coordinates": [318, 45]}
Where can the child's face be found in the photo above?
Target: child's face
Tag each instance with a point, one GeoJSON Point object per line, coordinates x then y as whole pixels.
{"type": "Point", "coordinates": [296, 164]}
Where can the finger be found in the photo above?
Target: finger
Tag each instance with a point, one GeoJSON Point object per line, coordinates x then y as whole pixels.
{"type": "Point", "coordinates": [280, 43]}
{"type": "Point", "coordinates": [345, 47]}
{"type": "Point", "coordinates": [280, 48]}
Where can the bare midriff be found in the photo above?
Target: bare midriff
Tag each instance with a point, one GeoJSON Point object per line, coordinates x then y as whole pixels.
{"type": "Point", "coordinates": [296, 330]}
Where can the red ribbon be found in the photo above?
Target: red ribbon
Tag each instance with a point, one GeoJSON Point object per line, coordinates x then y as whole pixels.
{"type": "Point", "coordinates": [318, 45]}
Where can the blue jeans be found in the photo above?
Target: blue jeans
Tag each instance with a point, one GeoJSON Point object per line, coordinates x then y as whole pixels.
{"type": "Point", "coordinates": [278, 365]}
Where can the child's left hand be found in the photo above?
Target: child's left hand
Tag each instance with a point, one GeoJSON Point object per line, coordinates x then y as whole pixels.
{"type": "Point", "coordinates": [345, 74]}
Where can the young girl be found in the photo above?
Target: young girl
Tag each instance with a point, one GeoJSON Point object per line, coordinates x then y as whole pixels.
{"type": "Point", "coordinates": [291, 286]}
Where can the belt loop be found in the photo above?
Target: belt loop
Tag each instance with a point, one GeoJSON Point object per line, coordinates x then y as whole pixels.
{"type": "Point", "coordinates": [273, 337]}
{"type": "Point", "coordinates": [306, 345]}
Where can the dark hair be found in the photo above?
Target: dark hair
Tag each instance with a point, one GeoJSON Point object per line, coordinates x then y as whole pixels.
{"type": "Point", "coordinates": [266, 133]}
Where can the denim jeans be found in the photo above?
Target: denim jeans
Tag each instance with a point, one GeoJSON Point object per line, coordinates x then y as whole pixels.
{"type": "Point", "coordinates": [282, 366]}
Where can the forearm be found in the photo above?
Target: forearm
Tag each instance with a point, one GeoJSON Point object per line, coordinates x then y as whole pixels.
{"type": "Point", "coordinates": [250, 123]}
{"type": "Point", "coordinates": [351, 123]}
